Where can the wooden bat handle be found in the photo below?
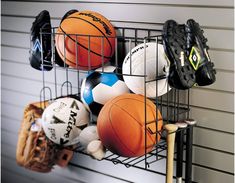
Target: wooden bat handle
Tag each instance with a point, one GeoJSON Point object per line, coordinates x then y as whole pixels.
{"type": "Point", "coordinates": [171, 128]}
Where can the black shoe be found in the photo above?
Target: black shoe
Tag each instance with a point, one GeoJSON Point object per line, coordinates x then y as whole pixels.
{"type": "Point", "coordinates": [43, 23]}
{"type": "Point", "coordinates": [58, 60]}
{"type": "Point", "coordinates": [181, 73]}
{"type": "Point", "coordinates": [198, 54]}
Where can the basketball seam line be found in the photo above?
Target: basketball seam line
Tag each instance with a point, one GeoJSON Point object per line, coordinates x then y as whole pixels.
{"type": "Point", "coordinates": [147, 104]}
{"type": "Point", "coordinates": [67, 61]}
{"type": "Point", "coordinates": [135, 99]}
{"type": "Point", "coordinates": [116, 133]}
{"type": "Point", "coordinates": [100, 32]}
{"type": "Point", "coordinates": [124, 145]}
{"type": "Point", "coordinates": [137, 120]}
{"type": "Point", "coordinates": [83, 45]}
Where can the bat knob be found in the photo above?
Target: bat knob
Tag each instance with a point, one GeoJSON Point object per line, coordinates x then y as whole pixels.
{"type": "Point", "coordinates": [171, 128]}
{"type": "Point", "coordinates": [190, 121]}
{"type": "Point", "coordinates": [181, 124]}
{"type": "Point", "coordinates": [179, 180]}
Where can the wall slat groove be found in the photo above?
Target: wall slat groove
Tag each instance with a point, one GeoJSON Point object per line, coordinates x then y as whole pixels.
{"type": "Point", "coordinates": [148, 13]}
{"type": "Point", "coordinates": [217, 150]}
{"type": "Point", "coordinates": [219, 86]}
{"type": "Point", "coordinates": [84, 156]}
{"type": "Point", "coordinates": [229, 133]}
{"type": "Point", "coordinates": [118, 21]}
{"type": "Point", "coordinates": [214, 44]}
{"type": "Point", "coordinates": [8, 121]}
{"type": "Point", "coordinates": [52, 177]}
{"type": "Point", "coordinates": [130, 2]}
{"type": "Point", "coordinates": [214, 169]}
{"type": "Point", "coordinates": [9, 175]}
{"type": "Point", "coordinates": [212, 106]}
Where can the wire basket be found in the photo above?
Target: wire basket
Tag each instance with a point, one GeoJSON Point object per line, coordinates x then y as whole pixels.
{"type": "Point", "coordinates": [174, 105]}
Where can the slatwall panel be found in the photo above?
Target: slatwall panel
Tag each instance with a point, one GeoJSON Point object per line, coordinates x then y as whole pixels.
{"type": "Point", "coordinates": [211, 106]}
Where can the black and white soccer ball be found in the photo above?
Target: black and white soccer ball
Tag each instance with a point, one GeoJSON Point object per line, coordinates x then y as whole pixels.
{"type": "Point", "coordinates": [63, 121]}
{"type": "Point", "coordinates": [99, 87]}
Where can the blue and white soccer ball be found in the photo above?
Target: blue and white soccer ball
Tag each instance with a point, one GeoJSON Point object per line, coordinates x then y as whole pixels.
{"type": "Point", "coordinates": [97, 88]}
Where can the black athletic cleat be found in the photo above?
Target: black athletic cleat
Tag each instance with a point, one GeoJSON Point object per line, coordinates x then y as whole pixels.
{"type": "Point", "coordinates": [41, 49]}
{"type": "Point", "coordinates": [181, 73]}
{"type": "Point", "coordinates": [198, 54]}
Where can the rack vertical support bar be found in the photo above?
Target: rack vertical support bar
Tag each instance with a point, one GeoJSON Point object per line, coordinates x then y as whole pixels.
{"type": "Point", "coordinates": [189, 144]}
{"type": "Point", "coordinates": [145, 105]}
{"type": "Point", "coordinates": [180, 147]}
{"type": "Point", "coordinates": [188, 167]}
{"type": "Point", "coordinates": [179, 162]}
{"type": "Point", "coordinates": [43, 74]}
{"type": "Point", "coordinates": [157, 117]}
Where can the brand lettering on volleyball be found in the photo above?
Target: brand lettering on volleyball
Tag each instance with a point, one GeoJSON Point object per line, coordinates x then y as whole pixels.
{"type": "Point", "coordinates": [134, 51]}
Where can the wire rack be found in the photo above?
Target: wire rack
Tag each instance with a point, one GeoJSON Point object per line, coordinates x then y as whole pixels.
{"type": "Point", "coordinates": [174, 105]}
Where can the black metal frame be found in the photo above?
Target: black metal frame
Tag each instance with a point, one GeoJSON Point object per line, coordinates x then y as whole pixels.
{"type": "Point", "coordinates": [169, 105]}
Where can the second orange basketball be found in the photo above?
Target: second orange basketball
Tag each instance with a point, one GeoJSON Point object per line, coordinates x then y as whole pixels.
{"type": "Point", "coordinates": [121, 125]}
{"type": "Point", "coordinates": [85, 40]}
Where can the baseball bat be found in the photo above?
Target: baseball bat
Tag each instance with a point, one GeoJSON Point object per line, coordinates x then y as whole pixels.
{"type": "Point", "coordinates": [189, 142]}
{"type": "Point", "coordinates": [171, 129]}
{"type": "Point", "coordinates": [180, 149]}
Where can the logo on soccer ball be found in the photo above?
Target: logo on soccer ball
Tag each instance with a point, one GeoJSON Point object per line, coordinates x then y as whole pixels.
{"type": "Point", "coordinates": [63, 121]}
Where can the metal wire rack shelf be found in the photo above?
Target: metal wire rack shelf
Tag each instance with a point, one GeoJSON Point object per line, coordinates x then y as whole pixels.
{"type": "Point", "coordinates": [174, 105]}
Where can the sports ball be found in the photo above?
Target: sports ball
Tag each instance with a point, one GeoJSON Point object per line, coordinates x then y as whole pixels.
{"type": "Point", "coordinates": [96, 149]}
{"type": "Point", "coordinates": [63, 121]}
{"type": "Point", "coordinates": [121, 125]}
{"type": "Point", "coordinates": [97, 88]}
{"type": "Point", "coordinates": [87, 135]}
{"type": "Point", "coordinates": [95, 40]}
{"type": "Point", "coordinates": [134, 65]}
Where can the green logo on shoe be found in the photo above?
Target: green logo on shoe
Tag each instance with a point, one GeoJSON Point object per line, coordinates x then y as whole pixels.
{"type": "Point", "coordinates": [194, 57]}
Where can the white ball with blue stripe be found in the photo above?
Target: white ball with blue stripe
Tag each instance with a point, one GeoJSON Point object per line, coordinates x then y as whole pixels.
{"type": "Point", "coordinates": [100, 86]}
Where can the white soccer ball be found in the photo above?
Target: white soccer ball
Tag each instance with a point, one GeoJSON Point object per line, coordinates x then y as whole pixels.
{"type": "Point", "coordinates": [87, 135]}
{"type": "Point", "coordinates": [63, 121]}
{"type": "Point", "coordinates": [134, 65]}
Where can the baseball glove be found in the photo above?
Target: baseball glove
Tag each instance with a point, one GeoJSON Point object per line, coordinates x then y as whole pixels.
{"type": "Point", "coordinates": [34, 150]}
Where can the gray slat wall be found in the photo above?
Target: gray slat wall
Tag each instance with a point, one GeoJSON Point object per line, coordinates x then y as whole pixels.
{"type": "Point", "coordinates": [212, 106]}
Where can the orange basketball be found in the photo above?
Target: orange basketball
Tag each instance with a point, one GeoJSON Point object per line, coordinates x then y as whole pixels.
{"type": "Point", "coordinates": [121, 125]}
{"type": "Point", "coordinates": [95, 38]}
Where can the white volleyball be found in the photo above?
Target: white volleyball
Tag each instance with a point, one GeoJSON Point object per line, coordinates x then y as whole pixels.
{"type": "Point", "coordinates": [134, 64]}
{"type": "Point", "coordinates": [63, 121]}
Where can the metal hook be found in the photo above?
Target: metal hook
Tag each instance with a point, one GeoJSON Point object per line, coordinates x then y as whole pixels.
{"type": "Point", "coordinates": [68, 83]}
{"type": "Point", "coordinates": [43, 97]}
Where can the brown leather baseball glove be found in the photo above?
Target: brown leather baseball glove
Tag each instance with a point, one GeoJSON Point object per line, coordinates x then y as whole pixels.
{"type": "Point", "coordinates": [34, 150]}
